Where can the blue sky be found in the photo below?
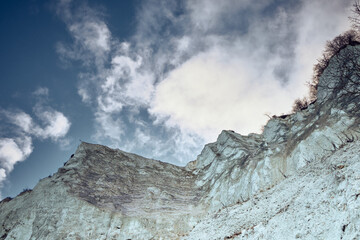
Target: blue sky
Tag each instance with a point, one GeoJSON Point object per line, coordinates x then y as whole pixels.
{"type": "Point", "coordinates": [157, 78]}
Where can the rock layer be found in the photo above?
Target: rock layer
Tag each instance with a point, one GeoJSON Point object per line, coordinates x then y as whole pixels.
{"type": "Point", "coordinates": [102, 193]}
{"type": "Point", "coordinates": [319, 201]}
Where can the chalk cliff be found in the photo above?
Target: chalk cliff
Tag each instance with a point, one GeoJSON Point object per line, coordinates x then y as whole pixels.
{"type": "Point", "coordinates": [300, 178]}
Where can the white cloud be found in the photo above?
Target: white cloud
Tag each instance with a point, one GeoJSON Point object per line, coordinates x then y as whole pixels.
{"type": "Point", "coordinates": [17, 145]}
{"type": "Point", "coordinates": [209, 93]}
{"type": "Point", "coordinates": [110, 128]}
{"type": "Point", "coordinates": [233, 83]}
{"type": "Point", "coordinates": [125, 84]}
{"type": "Point", "coordinates": [172, 145]}
{"type": "Point", "coordinates": [65, 143]}
{"type": "Point", "coordinates": [2, 179]}
{"type": "Point", "coordinates": [187, 74]}
{"type": "Point", "coordinates": [85, 96]}
{"type": "Point", "coordinates": [20, 119]}
{"type": "Point", "coordinates": [41, 91]}
{"type": "Point", "coordinates": [222, 89]}
{"type": "Point", "coordinates": [53, 124]}
{"type": "Point", "coordinates": [56, 125]}
{"type": "Point", "coordinates": [210, 14]}
{"type": "Point", "coordinates": [13, 151]}
{"type": "Point", "coordinates": [92, 37]}
{"type": "Point", "coordinates": [2, 176]}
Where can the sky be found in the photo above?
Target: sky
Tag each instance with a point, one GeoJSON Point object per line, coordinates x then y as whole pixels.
{"type": "Point", "coordinates": [156, 78]}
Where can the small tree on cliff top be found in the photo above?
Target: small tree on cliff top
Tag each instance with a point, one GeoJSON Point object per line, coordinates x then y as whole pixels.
{"type": "Point", "coordinates": [333, 47]}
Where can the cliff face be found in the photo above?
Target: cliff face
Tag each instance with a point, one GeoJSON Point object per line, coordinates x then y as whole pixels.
{"type": "Point", "coordinates": [319, 201]}
{"type": "Point", "coordinates": [103, 193]}
{"type": "Point", "coordinates": [299, 179]}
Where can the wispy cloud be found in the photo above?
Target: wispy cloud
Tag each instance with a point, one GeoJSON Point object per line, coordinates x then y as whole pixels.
{"type": "Point", "coordinates": [41, 92]}
{"type": "Point", "coordinates": [91, 35]}
{"type": "Point", "coordinates": [16, 142]}
{"type": "Point", "coordinates": [52, 124]}
{"type": "Point", "coordinates": [193, 68]}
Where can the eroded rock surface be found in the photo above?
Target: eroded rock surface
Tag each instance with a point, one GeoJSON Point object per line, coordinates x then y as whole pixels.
{"type": "Point", "coordinates": [102, 193]}
{"type": "Point", "coordinates": [128, 183]}
{"type": "Point", "coordinates": [319, 201]}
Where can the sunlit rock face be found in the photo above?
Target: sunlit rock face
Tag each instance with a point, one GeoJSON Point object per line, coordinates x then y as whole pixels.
{"type": "Point", "coordinates": [299, 179]}
{"type": "Point", "coordinates": [319, 201]}
{"type": "Point", "coordinates": [102, 193]}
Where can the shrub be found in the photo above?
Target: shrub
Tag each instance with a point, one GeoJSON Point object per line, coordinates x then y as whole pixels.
{"type": "Point", "coordinates": [300, 104]}
{"type": "Point", "coordinates": [355, 17]}
{"type": "Point", "coordinates": [7, 199]}
{"type": "Point", "coordinates": [333, 47]}
{"type": "Point", "coordinates": [25, 190]}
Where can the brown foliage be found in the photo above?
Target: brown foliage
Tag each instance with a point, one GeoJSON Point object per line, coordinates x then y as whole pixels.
{"type": "Point", "coordinates": [25, 190]}
{"type": "Point", "coordinates": [343, 71]}
{"type": "Point", "coordinates": [300, 104]}
{"type": "Point", "coordinates": [355, 17]}
{"type": "Point", "coordinates": [333, 47]}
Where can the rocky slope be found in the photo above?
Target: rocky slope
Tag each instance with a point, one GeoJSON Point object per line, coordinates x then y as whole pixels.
{"type": "Point", "coordinates": [299, 179]}
{"type": "Point", "coordinates": [319, 201]}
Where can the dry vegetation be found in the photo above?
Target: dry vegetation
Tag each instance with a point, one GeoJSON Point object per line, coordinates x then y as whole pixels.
{"type": "Point", "coordinates": [332, 48]}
